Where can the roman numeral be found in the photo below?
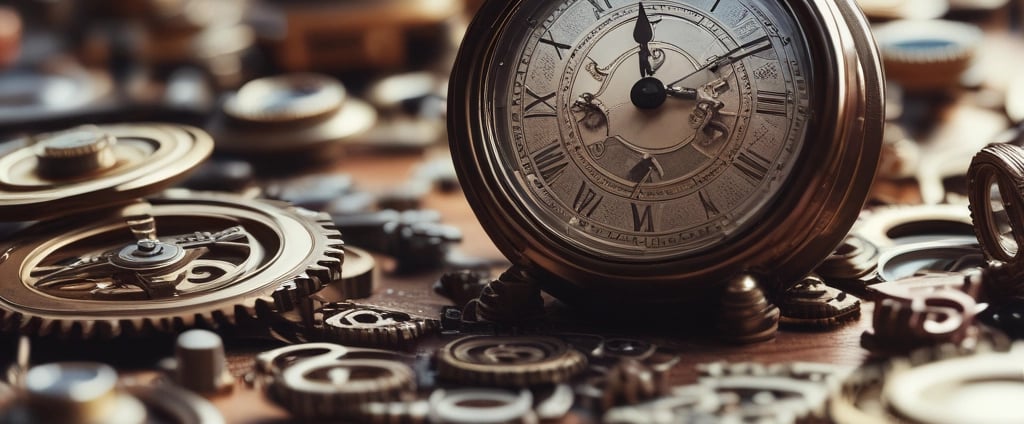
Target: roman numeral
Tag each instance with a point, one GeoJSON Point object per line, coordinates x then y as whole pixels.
{"type": "Point", "coordinates": [551, 162]}
{"type": "Point", "coordinates": [709, 208]}
{"type": "Point", "coordinates": [586, 201]}
{"type": "Point", "coordinates": [539, 100]}
{"type": "Point", "coordinates": [772, 102]}
{"type": "Point", "coordinates": [598, 8]}
{"type": "Point", "coordinates": [642, 221]}
{"type": "Point", "coordinates": [558, 46]}
{"type": "Point", "coordinates": [752, 165]}
{"type": "Point", "coordinates": [715, 6]}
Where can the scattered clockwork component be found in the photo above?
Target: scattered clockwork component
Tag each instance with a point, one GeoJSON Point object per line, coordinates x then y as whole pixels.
{"type": "Point", "coordinates": [218, 258]}
{"type": "Point", "coordinates": [200, 364]}
{"type": "Point", "coordinates": [939, 385]}
{"type": "Point", "coordinates": [290, 114]}
{"type": "Point", "coordinates": [927, 54]}
{"type": "Point", "coordinates": [481, 406]}
{"type": "Point", "coordinates": [852, 265]}
{"type": "Point", "coordinates": [632, 186]}
{"type": "Point", "coordinates": [359, 277]}
{"type": "Point", "coordinates": [58, 90]}
{"type": "Point", "coordinates": [812, 304]}
{"type": "Point", "coordinates": [745, 315]}
{"type": "Point", "coordinates": [955, 254]}
{"type": "Point", "coordinates": [94, 167]}
{"type": "Point", "coordinates": [325, 380]}
{"type": "Point", "coordinates": [90, 393]}
{"type": "Point", "coordinates": [900, 325]}
{"type": "Point", "coordinates": [355, 325]}
{"type": "Point", "coordinates": [509, 361]}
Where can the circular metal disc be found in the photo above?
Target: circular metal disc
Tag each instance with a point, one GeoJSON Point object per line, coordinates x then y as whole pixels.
{"type": "Point", "coordinates": [149, 158]}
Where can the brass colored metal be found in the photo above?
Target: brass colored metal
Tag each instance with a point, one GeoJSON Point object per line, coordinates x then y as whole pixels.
{"type": "Point", "coordinates": [290, 114]}
{"type": "Point", "coordinates": [812, 304]}
{"type": "Point", "coordinates": [807, 219]}
{"type": "Point", "coordinates": [230, 258]}
{"type": "Point", "coordinates": [509, 361]}
{"type": "Point", "coordinates": [513, 298]}
{"type": "Point", "coordinates": [901, 325]}
{"type": "Point", "coordinates": [745, 315]}
{"type": "Point", "coordinates": [927, 54]}
{"type": "Point", "coordinates": [355, 325]}
{"type": "Point", "coordinates": [96, 167]}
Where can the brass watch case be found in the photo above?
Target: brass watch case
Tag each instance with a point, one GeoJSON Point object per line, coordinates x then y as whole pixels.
{"type": "Point", "coordinates": [800, 227]}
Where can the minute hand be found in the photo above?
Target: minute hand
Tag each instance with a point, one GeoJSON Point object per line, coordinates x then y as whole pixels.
{"type": "Point", "coordinates": [747, 49]}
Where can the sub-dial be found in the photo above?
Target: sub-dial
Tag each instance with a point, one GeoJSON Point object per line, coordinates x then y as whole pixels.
{"type": "Point", "coordinates": [632, 123]}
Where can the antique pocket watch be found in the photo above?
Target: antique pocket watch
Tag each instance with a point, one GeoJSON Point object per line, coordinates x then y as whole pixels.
{"type": "Point", "coordinates": [644, 153]}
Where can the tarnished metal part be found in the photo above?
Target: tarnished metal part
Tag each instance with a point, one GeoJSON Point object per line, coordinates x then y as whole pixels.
{"type": "Point", "coordinates": [233, 259]}
{"type": "Point", "coordinates": [926, 319]}
{"type": "Point", "coordinates": [741, 393]}
{"type": "Point", "coordinates": [513, 298]}
{"type": "Point", "coordinates": [509, 361]}
{"type": "Point", "coordinates": [481, 406]}
{"type": "Point", "coordinates": [357, 325]}
{"type": "Point", "coordinates": [812, 304]}
{"type": "Point", "coordinates": [330, 381]}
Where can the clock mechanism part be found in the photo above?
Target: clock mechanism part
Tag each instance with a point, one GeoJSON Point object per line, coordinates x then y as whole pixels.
{"type": "Point", "coordinates": [811, 304]}
{"type": "Point", "coordinates": [927, 55]}
{"type": "Point", "coordinates": [741, 392]}
{"type": "Point", "coordinates": [103, 263]}
{"type": "Point", "coordinates": [570, 145]}
{"type": "Point", "coordinates": [302, 115]}
{"type": "Point", "coordinates": [944, 384]}
{"type": "Point", "coordinates": [87, 393]}
{"type": "Point", "coordinates": [509, 361]}
{"type": "Point", "coordinates": [355, 325]}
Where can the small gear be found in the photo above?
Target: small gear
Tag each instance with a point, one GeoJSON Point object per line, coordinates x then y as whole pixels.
{"type": "Point", "coordinates": [229, 258]}
{"type": "Point", "coordinates": [927, 55]}
{"type": "Point", "coordinates": [92, 167]}
{"type": "Point", "coordinates": [509, 361]}
{"type": "Point", "coordinates": [330, 381]}
{"type": "Point", "coordinates": [356, 325]}
{"type": "Point", "coordinates": [812, 304]}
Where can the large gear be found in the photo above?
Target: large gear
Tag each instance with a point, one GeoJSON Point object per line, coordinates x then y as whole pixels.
{"type": "Point", "coordinates": [222, 259]}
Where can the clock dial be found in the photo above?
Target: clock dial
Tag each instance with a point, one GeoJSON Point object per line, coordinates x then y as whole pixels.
{"type": "Point", "coordinates": [645, 131]}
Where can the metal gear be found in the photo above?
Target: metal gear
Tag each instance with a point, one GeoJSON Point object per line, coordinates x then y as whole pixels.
{"type": "Point", "coordinates": [330, 381]}
{"type": "Point", "coordinates": [509, 361]}
{"type": "Point", "coordinates": [356, 325]}
{"type": "Point", "coordinates": [94, 167]}
{"type": "Point", "coordinates": [105, 275]}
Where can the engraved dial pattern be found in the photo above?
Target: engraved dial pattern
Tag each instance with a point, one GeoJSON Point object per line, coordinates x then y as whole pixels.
{"type": "Point", "coordinates": [662, 160]}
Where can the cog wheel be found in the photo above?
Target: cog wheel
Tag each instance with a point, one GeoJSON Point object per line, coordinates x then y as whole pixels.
{"type": "Point", "coordinates": [355, 325]}
{"type": "Point", "coordinates": [93, 167]}
{"type": "Point", "coordinates": [509, 361]}
{"type": "Point", "coordinates": [330, 381]}
{"type": "Point", "coordinates": [220, 259]}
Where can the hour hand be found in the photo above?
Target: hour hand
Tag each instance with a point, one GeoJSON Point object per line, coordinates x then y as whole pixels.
{"type": "Point", "coordinates": [643, 33]}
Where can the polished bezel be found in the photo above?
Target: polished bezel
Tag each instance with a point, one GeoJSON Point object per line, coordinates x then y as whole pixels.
{"type": "Point", "coordinates": [800, 227]}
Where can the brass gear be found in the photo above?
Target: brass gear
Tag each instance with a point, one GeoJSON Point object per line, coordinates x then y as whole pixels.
{"type": "Point", "coordinates": [357, 325]}
{"type": "Point", "coordinates": [221, 259]}
{"type": "Point", "coordinates": [509, 361]}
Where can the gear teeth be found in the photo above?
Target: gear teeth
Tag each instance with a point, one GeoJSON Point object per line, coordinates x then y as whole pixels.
{"type": "Point", "coordinates": [322, 267]}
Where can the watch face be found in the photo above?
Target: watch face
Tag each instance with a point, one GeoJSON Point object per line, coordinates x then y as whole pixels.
{"type": "Point", "coordinates": [647, 131]}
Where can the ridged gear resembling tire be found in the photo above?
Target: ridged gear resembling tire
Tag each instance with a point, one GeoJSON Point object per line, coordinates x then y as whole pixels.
{"type": "Point", "coordinates": [277, 254]}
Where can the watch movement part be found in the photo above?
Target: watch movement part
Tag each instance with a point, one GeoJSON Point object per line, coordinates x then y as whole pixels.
{"type": "Point", "coordinates": [356, 325]}
{"type": "Point", "coordinates": [812, 304]}
{"type": "Point", "coordinates": [930, 319]}
{"type": "Point", "coordinates": [745, 316]}
{"type": "Point", "coordinates": [954, 254]}
{"type": "Point", "coordinates": [514, 298]}
{"type": "Point", "coordinates": [329, 381]}
{"type": "Point", "coordinates": [509, 361]}
{"type": "Point", "coordinates": [200, 363]}
{"type": "Point", "coordinates": [234, 258]}
{"type": "Point", "coordinates": [290, 114]}
{"type": "Point", "coordinates": [111, 164]}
